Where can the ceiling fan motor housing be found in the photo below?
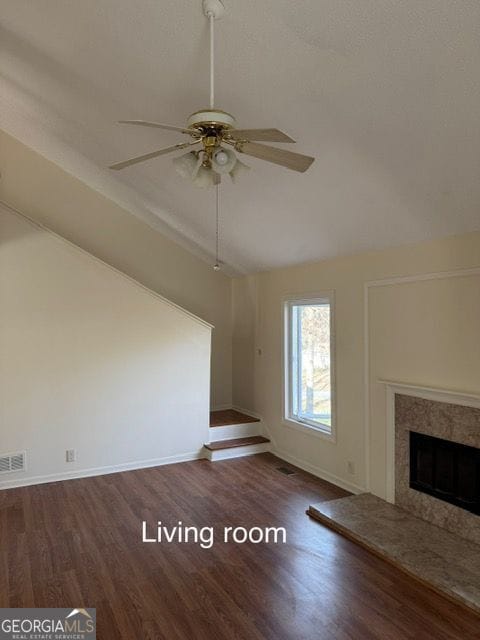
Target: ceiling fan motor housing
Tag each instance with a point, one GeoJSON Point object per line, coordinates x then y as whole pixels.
{"type": "Point", "coordinates": [211, 119]}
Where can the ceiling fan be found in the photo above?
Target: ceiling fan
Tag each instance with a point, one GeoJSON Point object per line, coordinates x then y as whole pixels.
{"type": "Point", "coordinates": [212, 131]}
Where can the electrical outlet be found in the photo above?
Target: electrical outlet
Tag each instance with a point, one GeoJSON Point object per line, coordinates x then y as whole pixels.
{"type": "Point", "coordinates": [70, 455]}
{"type": "Point", "coordinates": [351, 467]}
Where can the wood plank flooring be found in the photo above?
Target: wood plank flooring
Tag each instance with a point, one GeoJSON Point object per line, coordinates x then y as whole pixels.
{"type": "Point", "coordinates": [78, 543]}
{"type": "Point", "coordinates": [236, 442]}
{"type": "Point", "coordinates": [229, 416]}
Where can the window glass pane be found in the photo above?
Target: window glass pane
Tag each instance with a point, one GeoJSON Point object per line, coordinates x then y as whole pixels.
{"type": "Point", "coordinates": [310, 363]}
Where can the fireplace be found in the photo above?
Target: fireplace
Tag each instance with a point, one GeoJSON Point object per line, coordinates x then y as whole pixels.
{"type": "Point", "coordinates": [429, 481]}
{"type": "Point", "coordinates": [447, 470]}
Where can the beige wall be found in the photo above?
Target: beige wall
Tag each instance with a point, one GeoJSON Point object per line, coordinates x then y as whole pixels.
{"type": "Point", "coordinates": [44, 192]}
{"type": "Point", "coordinates": [91, 361]}
{"type": "Point", "coordinates": [47, 194]}
{"type": "Point", "coordinates": [244, 307]}
{"type": "Point", "coordinates": [427, 333]}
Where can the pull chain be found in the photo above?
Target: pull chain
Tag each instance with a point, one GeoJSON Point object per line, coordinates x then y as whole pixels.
{"type": "Point", "coordinates": [216, 266]}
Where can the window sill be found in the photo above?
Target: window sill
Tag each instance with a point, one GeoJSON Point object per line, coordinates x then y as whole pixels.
{"type": "Point", "coordinates": [310, 430]}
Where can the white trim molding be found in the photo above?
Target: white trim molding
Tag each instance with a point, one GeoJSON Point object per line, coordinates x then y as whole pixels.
{"type": "Point", "coordinates": [422, 277]}
{"type": "Point", "coordinates": [310, 430]}
{"type": "Point", "coordinates": [318, 472]}
{"type": "Point", "coordinates": [431, 393]}
{"type": "Point", "coordinates": [247, 412]}
{"type": "Point", "coordinates": [288, 419]}
{"type": "Point", "coordinates": [100, 471]}
{"type": "Point", "coordinates": [427, 393]}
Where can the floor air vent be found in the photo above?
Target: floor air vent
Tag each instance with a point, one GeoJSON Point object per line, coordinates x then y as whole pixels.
{"type": "Point", "coordinates": [11, 462]}
{"type": "Point", "coordinates": [286, 471]}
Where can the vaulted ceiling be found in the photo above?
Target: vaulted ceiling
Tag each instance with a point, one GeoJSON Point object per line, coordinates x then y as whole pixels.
{"type": "Point", "coordinates": [385, 94]}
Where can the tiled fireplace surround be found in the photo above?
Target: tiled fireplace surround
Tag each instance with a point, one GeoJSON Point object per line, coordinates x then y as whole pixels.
{"type": "Point", "coordinates": [442, 418]}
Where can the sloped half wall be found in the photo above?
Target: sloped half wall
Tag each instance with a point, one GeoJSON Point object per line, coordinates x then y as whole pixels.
{"type": "Point", "coordinates": [92, 361]}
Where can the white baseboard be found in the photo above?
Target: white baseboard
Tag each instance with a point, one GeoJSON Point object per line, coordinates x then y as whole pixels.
{"type": "Point", "coordinates": [302, 464]}
{"type": "Point", "coordinates": [320, 473]}
{"type": "Point", "coordinates": [247, 412]}
{"type": "Point", "coordinates": [100, 471]}
{"type": "Point", "coordinates": [226, 407]}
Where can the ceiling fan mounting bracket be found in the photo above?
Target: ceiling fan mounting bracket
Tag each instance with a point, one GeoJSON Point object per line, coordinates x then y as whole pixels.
{"type": "Point", "coordinates": [213, 8]}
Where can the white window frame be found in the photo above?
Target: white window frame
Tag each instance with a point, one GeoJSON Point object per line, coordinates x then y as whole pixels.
{"type": "Point", "coordinates": [289, 420]}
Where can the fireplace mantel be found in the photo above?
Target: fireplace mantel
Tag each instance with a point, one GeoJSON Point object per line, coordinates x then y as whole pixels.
{"type": "Point", "coordinates": [428, 393]}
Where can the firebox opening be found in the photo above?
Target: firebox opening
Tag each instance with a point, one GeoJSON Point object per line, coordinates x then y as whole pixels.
{"type": "Point", "coordinates": [446, 470]}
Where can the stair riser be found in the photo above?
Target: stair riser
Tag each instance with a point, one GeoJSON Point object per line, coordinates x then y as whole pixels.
{"type": "Point", "coordinates": [237, 452]}
{"type": "Point", "coordinates": [231, 431]}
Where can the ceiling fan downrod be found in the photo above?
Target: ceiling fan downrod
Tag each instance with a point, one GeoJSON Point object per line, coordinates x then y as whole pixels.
{"type": "Point", "coordinates": [213, 10]}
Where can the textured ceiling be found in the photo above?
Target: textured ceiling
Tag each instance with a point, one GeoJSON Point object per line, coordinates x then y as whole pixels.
{"type": "Point", "coordinates": [385, 94]}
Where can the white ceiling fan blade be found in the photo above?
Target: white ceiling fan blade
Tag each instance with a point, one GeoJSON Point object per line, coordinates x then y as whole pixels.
{"type": "Point", "coordinates": [156, 125]}
{"type": "Point", "coordinates": [148, 156]}
{"type": "Point", "coordinates": [288, 159]}
{"type": "Point", "coordinates": [261, 135]}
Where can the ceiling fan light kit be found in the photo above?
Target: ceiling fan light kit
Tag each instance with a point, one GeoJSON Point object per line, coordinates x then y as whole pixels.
{"type": "Point", "coordinates": [223, 161]}
{"type": "Point", "coordinates": [205, 177]}
{"type": "Point", "coordinates": [186, 165]}
{"type": "Point", "coordinates": [214, 130]}
{"type": "Point", "coordinates": [239, 169]}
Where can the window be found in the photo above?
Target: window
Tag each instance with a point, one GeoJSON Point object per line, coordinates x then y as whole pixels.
{"type": "Point", "coordinates": [309, 392]}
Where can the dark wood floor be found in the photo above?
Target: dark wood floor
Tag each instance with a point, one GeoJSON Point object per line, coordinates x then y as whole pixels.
{"type": "Point", "coordinates": [229, 416]}
{"type": "Point", "coordinates": [237, 442]}
{"type": "Point", "coordinates": [78, 543]}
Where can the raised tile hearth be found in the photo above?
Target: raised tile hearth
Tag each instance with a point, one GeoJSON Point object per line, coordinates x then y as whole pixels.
{"type": "Point", "coordinates": [445, 562]}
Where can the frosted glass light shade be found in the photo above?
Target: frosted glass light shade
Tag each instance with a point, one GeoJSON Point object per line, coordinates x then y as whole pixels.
{"type": "Point", "coordinates": [223, 160]}
{"type": "Point", "coordinates": [239, 169]}
{"type": "Point", "coordinates": [186, 165]}
{"type": "Point", "coordinates": [206, 177]}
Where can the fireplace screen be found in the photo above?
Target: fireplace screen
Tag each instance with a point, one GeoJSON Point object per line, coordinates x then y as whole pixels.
{"type": "Point", "coordinates": [447, 470]}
